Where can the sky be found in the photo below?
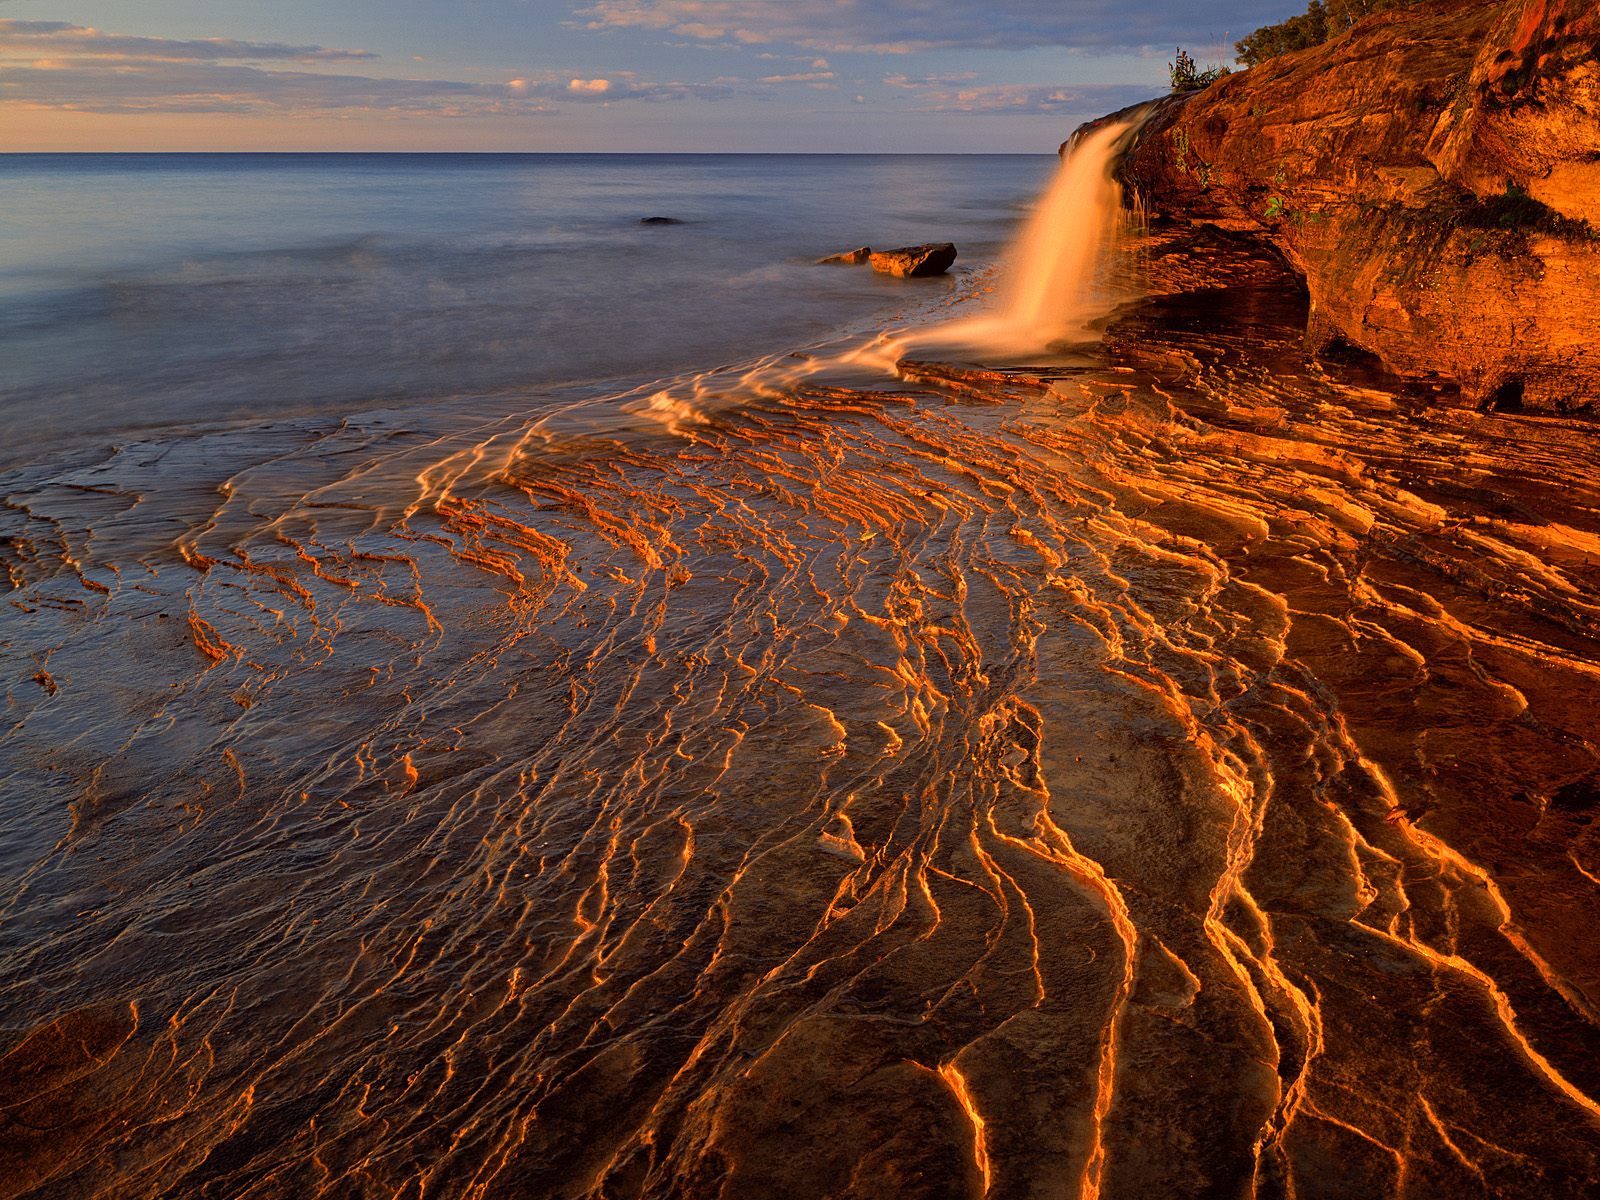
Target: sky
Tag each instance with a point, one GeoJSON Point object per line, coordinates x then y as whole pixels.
{"type": "Point", "coordinates": [829, 76]}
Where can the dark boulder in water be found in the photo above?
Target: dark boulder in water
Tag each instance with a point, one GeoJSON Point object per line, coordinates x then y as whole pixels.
{"type": "Point", "coordinates": [850, 258]}
{"type": "Point", "coordinates": [659, 221]}
{"type": "Point", "coordinates": [915, 261]}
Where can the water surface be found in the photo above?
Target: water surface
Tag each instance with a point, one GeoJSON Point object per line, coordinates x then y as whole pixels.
{"type": "Point", "coordinates": [140, 292]}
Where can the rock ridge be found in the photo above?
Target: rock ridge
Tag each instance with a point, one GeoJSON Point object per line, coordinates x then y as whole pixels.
{"type": "Point", "coordinates": [1433, 176]}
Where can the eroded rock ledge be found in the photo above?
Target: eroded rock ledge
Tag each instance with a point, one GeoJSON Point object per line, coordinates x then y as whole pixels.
{"type": "Point", "coordinates": [1434, 176]}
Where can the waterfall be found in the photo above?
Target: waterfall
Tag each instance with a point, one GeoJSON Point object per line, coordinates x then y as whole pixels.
{"type": "Point", "coordinates": [1056, 277]}
{"type": "Point", "coordinates": [1057, 283]}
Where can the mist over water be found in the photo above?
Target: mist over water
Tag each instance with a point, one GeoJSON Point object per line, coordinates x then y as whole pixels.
{"type": "Point", "coordinates": [1170, 769]}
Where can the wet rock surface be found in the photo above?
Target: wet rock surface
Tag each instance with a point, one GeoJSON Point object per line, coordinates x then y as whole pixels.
{"type": "Point", "coordinates": [1171, 773]}
{"type": "Point", "coordinates": [1431, 175]}
{"type": "Point", "coordinates": [914, 261]}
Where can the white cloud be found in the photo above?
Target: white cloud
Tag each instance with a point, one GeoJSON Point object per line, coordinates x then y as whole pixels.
{"type": "Point", "coordinates": [910, 83]}
{"type": "Point", "coordinates": [802, 77]}
{"type": "Point", "coordinates": [60, 39]}
{"type": "Point", "coordinates": [1024, 99]}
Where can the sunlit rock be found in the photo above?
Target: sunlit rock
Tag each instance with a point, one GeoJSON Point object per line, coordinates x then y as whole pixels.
{"type": "Point", "coordinates": [914, 261]}
{"type": "Point", "coordinates": [1426, 175]}
{"type": "Point", "coordinates": [850, 258]}
{"type": "Point", "coordinates": [1531, 119]}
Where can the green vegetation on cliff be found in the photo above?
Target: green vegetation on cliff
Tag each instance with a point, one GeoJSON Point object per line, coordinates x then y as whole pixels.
{"type": "Point", "coordinates": [1187, 75]}
{"type": "Point", "coordinates": [1322, 21]}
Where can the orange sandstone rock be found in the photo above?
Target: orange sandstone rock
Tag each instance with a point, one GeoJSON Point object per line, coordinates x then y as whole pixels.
{"type": "Point", "coordinates": [850, 258]}
{"type": "Point", "coordinates": [1433, 176]}
{"type": "Point", "coordinates": [1531, 111]}
{"type": "Point", "coordinates": [915, 261]}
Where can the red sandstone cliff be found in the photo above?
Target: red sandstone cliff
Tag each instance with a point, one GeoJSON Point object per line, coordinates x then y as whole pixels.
{"type": "Point", "coordinates": [1435, 177]}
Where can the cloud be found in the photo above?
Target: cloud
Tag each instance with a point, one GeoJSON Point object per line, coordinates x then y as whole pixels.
{"type": "Point", "coordinates": [910, 83]}
{"type": "Point", "coordinates": [60, 39]}
{"type": "Point", "coordinates": [896, 27]}
{"type": "Point", "coordinates": [62, 66]}
{"type": "Point", "coordinates": [811, 77]}
{"type": "Point", "coordinates": [218, 88]}
{"type": "Point", "coordinates": [1028, 99]}
{"type": "Point", "coordinates": [53, 64]}
{"type": "Point", "coordinates": [625, 85]}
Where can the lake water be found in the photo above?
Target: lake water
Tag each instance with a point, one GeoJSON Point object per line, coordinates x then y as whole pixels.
{"type": "Point", "coordinates": [146, 291]}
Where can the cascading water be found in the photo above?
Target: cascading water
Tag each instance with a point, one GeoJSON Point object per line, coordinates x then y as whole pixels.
{"type": "Point", "coordinates": [1057, 277]}
{"type": "Point", "coordinates": [1057, 283]}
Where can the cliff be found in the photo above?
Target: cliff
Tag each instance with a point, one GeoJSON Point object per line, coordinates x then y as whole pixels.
{"type": "Point", "coordinates": [1433, 175]}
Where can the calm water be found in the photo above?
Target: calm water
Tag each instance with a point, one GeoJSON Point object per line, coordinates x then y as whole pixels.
{"type": "Point", "coordinates": [141, 291]}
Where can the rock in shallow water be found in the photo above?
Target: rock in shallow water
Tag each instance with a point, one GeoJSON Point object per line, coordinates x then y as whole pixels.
{"type": "Point", "coordinates": [915, 261]}
{"type": "Point", "coordinates": [659, 221]}
{"type": "Point", "coordinates": [850, 258]}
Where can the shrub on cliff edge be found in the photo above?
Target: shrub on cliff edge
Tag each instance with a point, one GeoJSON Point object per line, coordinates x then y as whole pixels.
{"type": "Point", "coordinates": [1187, 75]}
{"type": "Point", "coordinates": [1322, 21]}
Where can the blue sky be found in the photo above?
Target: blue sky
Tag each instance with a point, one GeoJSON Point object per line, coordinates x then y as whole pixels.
{"type": "Point", "coordinates": [666, 75]}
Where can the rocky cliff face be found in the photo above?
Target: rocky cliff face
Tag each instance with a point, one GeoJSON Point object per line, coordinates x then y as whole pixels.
{"type": "Point", "coordinates": [1435, 178]}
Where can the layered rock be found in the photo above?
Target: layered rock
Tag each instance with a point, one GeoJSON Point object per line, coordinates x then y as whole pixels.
{"type": "Point", "coordinates": [1432, 175]}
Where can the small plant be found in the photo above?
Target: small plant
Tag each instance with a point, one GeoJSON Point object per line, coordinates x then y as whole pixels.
{"type": "Point", "coordinates": [1202, 171]}
{"type": "Point", "coordinates": [1274, 209]}
{"type": "Point", "coordinates": [1515, 213]}
{"type": "Point", "coordinates": [1187, 75]}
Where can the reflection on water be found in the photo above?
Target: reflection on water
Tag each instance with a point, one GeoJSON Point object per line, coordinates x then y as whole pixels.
{"type": "Point", "coordinates": [1173, 775]}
